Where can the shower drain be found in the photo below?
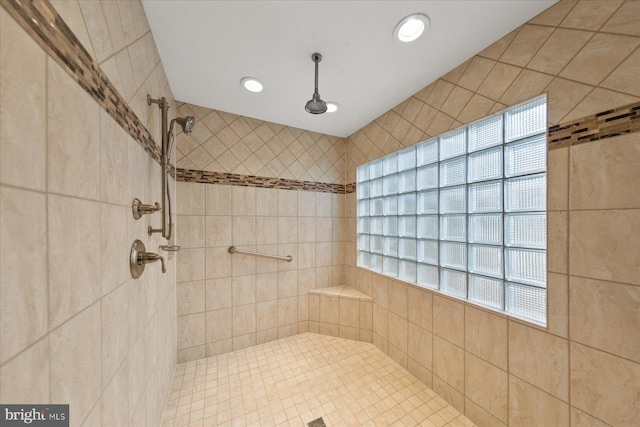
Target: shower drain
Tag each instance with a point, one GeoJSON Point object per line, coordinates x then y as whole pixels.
{"type": "Point", "coordinates": [317, 423]}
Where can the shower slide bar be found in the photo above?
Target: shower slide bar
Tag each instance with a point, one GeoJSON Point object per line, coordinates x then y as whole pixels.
{"type": "Point", "coordinates": [234, 250]}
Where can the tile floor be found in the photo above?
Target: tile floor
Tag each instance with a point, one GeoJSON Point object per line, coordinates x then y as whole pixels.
{"type": "Point", "coordinates": [295, 380]}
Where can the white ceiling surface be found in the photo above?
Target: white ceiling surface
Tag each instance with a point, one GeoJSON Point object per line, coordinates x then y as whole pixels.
{"type": "Point", "coordinates": [208, 46]}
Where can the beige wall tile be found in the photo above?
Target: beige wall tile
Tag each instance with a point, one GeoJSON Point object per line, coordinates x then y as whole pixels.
{"type": "Point", "coordinates": [398, 332]}
{"type": "Point", "coordinates": [243, 290]}
{"type": "Point", "coordinates": [218, 263]}
{"type": "Point", "coordinates": [606, 316]}
{"type": "Point", "coordinates": [599, 100]}
{"type": "Point", "coordinates": [99, 33]}
{"type": "Point", "coordinates": [475, 73]}
{"type": "Point", "coordinates": [115, 398]}
{"type": "Point", "coordinates": [191, 230]}
{"type": "Point", "coordinates": [477, 107]}
{"type": "Point", "coordinates": [420, 346]}
{"type": "Point", "coordinates": [562, 96]}
{"type": "Point", "coordinates": [114, 174]}
{"type": "Point", "coordinates": [366, 315]}
{"type": "Point", "coordinates": [496, 50]}
{"type": "Point", "coordinates": [487, 386]}
{"type": "Point", "coordinates": [625, 20]}
{"type": "Point", "coordinates": [486, 336]}
{"type": "Point", "coordinates": [622, 78]}
{"type": "Point", "coordinates": [558, 304]}
{"type": "Point", "coordinates": [420, 372]}
{"type": "Point", "coordinates": [349, 312]}
{"type": "Point", "coordinates": [398, 356]}
{"type": "Point", "coordinates": [420, 307]}
{"type": "Point", "coordinates": [529, 39]}
{"type": "Point", "coordinates": [190, 198]}
{"type": "Point", "coordinates": [600, 247]}
{"type": "Point", "coordinates": [564, 41]}
{"type": "Point", "coordinates": [555, 14]}
{"type": "Point", "coordinates": [448, 393]}
{"type": "Point", "coordinates": [479, 416]}
{"type": "Point", "coordinates": [557, 242]}
{"type": "Point", "coordinates": [527, 85]}
{"type": "Point", "coordinates": [558, 180]}
{"type": "Point", "coordinates": [218, 199]}
{"type": "Point", "coordinates": [218, 294]}
{"type": "Point", "coordinates": [539, 358]}
{"type": "Point", "coordinates": [602, 54]}
{"type": "Point", "coordinates": [73, 152]}
{"type": "Point", "coordinates": [266, 287]}
{"type": "Point", "coordinates": [23, 107]}
{"type": "Point", "coordinates": [115, 330]}
{"type": "Point", "coordinates": [191, 330]}
{"type": "Point", "coordinates": [287, 311]}
{"type": "Point", "coordinates": [244, 231]}
{"type": "Point", "coordinates": [380, 287]}
{"type": "Point", "coordinates": [380, 321]}
{"type": "Point", "coordinates": [190, 265]}
{"type": "Point", "coordinates": [75, 375]}
{"type": "Point", "coordinates": [590, 15]}
{"type": "Point", "coordinates": [244, 320]}
{"type": "Point", "coordinates": [448, 363]}
{"type": "Point", "coordinates": [218, 231]}
{"type": "Point", "coordinates": [26, 378]}
{"type": "Point", "coordinates": [498, 80]}
{"type": "Point", "coordinates": [448, 319]}
{"type": "Point", "coordinates": [526, 401]}
{"type": "Point", "coordinates": [24, 316]}
{"type": "Point", "coordinates": [218, 325]}
{"type": "Point", "coordinates": [605, 386]}
{"type": "Point", "coordinates": [604, 173]}
{"type": "Point", "coordinates": [580, 419]}
{"type": "Point", "coordinates": [266, 315]}
{"type": "Point", "coordinates": [216, 348]}
{"type": "Point", "coordinates": [72, 286]}
{"type": "Point", "coordinates": [439, 94]}
{"type": "Point", "coordinates": [456, 101]}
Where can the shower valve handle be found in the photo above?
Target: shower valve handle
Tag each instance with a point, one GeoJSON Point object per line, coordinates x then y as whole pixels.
{"type": "Point", "coordinates": [150, 257]}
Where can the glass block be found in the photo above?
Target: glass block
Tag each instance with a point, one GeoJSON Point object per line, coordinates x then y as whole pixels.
{"type": "Point", "coordinates": [375, 262]}
{"type": "Point", "coordinates": [453, 172]}
{"type": "Point", "coordinates": [390, 266]}
{"type": "Point", "coordinates": [390, 164]}
{"type": "Point", "coordinates": [428, 226]}
{"type": "Point", "coordinates": [407, 271]}
{"type": "Point", "coordinates": [427, 177]}
{"type": "Point", "coordinates": [526, 230]}
{"type": "Point", "coordinates": [453, 227]}
{"type": "Point", "coordinates": [527, 193]}
{"type": "Point", "coordinates": [428, 202]}
{"type": "Point", "coordinates": [527, 302]}
{"type": "Point", "coordinates": [486, 260]}
{"type": "Point", "coordinates": [375, 169]}
{"type": "Point", "coordinates": [390, 227]}
{"type": "Point", "coordinates": [486, 291]}
{"type": "Point", "coordinates": [390, 184]}
{"type": "Point", "coordinates": [407, 226]}
{"type": "Point", "coordinates": [526, 157]}
{"type": "Point", "coordinates": [486, 133]}
{"type": "Point", "coordinates": [453, 144]}
{"type": "Point", "coordinates": [407, 204]}
{"type": "Point", "coordinates": [363, 259]}
{"type": "Point", "coordinates": [375, 225]}
{"type": "Point", "coordinates": [390, 205]}
{"type": "Point", "coordinates": [363, 225]}
{"type": "Point", "coordinates": [526, 120]}
{"type": "Point", "coordinates": [453, 200]}
{"type": "Point", "coordinates": [485, 197]}
{"type": "Point", "coordinates": [407, 181]}
{"type": "Point", "coordinates": [375, 188]}
{"type": "Point", "coordinates": [427, 152]}
{"type": "Point", "coordinates": [428, 276]}
{"type": "Point", "coordinates": [363, 242]}
{"type": "Point", "coordinates": [526, 266]}
{"type": "Point", "coordinates": [485, 229]}
{"type": "Point", "coordinates": [485, 165]}
{"type": "Point", "coordinates": [375, 244]}
{"type": "Point", "coordinates": [407, 248]}
{"type": "Point", "coordinates": [428, 251]}
{"type": "Point", "coordinates": [363, 208]}
{"type": "Point", "coordinates": [407, 159]}
{"type": "Point", "coordinates": [390, 246]}
{"type": "Point", "coordinates": [362, 190]}
{"type": "Point", "coordinates": [376, 206]}
{"type": "Point", "coordinates": [453, 282]}
{"type": "Point", "coordinates": [453, 255]}
{"type": "Point", "coordinates": [363, 173]}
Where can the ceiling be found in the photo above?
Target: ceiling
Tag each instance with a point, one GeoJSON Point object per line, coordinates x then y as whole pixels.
{"type": "Point", "coordinates": [207, 47]}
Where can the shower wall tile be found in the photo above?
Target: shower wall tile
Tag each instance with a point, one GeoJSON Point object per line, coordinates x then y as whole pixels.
{"type": "Point", "coordinates": [486, 336]}
{"type": "Point", "coordinates": [22, 107]}
{"type": "Point", "coordinates": [448, 319]}
{"type": "Point", "coordinates": [448, 363]}
{"type": "Point", "coordinates": [487, 386]}
{"type": "Point", "coordinates": [26, 378]}
{"type": "Point", "coordinates": [526, 401]}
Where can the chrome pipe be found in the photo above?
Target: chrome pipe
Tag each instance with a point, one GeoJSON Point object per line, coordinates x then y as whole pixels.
{"type": "Point", "coordinates": [234, 250]}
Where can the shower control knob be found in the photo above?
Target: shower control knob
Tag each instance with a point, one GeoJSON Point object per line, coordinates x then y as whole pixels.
{"type": "Point", "coordinates": [139, 258]}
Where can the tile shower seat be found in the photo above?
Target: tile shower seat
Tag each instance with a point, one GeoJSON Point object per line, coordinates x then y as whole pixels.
{"type": "Point", "coordinates": [341, 311]}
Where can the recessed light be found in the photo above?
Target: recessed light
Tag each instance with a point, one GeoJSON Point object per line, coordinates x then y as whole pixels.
{"type": "Point", "coordinates": [252, 84]}
{"type": "Point", "coordinates": [332, 107]}
{"type": "Point", "coordinates": [411, 27]}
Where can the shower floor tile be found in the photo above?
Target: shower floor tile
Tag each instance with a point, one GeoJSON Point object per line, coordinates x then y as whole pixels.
{"type": "Point", "coordinates": [295, 380]}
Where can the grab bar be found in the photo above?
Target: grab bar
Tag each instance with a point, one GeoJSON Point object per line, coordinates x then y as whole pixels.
{"type": "Point", "coordinates": [234, 250]}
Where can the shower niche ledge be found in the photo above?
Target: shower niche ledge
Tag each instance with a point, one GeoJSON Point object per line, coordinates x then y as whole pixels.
{"type": "Point", "coordinates": [341, 311]}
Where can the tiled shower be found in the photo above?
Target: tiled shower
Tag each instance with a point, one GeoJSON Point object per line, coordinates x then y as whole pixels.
{"type": "Point", "coordinates": [87, 334]}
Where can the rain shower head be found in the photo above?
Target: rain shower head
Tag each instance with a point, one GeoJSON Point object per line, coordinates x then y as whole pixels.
{"type": "Point", "coordinates": [316, 105]}
{"type": "Point", "coordinates": [187, 123]}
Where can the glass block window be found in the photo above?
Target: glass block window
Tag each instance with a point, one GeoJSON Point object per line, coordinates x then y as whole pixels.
{"type": "Point", "coordinates": [464, 213]}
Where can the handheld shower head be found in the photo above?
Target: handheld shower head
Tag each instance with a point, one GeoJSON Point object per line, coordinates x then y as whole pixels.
{"type": "Point", "coordinates": [187, 123]}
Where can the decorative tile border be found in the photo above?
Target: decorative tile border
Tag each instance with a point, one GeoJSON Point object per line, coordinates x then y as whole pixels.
{"type": "Point", "coordinates": [606, 124]}
{"type": "Point", "coordinates": [41, 21]}
{"type": "Point", "coordinates": [223, 178]}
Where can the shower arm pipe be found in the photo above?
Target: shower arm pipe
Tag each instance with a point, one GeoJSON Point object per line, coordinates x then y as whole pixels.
{"type": "Point", "coordinates": [234, 250]}
{"type": "Point", "coordinates": [163, 104]}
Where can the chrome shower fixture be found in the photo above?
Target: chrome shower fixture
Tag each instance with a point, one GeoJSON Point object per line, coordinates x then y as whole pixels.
{"type": "Point", "coordinates": [316, 105]}
{"type": "Point", "coordinates": [187, 123]}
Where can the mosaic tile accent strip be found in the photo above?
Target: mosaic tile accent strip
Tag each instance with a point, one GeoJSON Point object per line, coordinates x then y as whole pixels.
{"type": "Point", "coordinates": [606, 124]}
{"type": "Point", "coordinates": [350, 188]}
{"type": "Point", "coordinates": [223, 178]}
{"type": "Point", "coordinates": [40, 20]}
